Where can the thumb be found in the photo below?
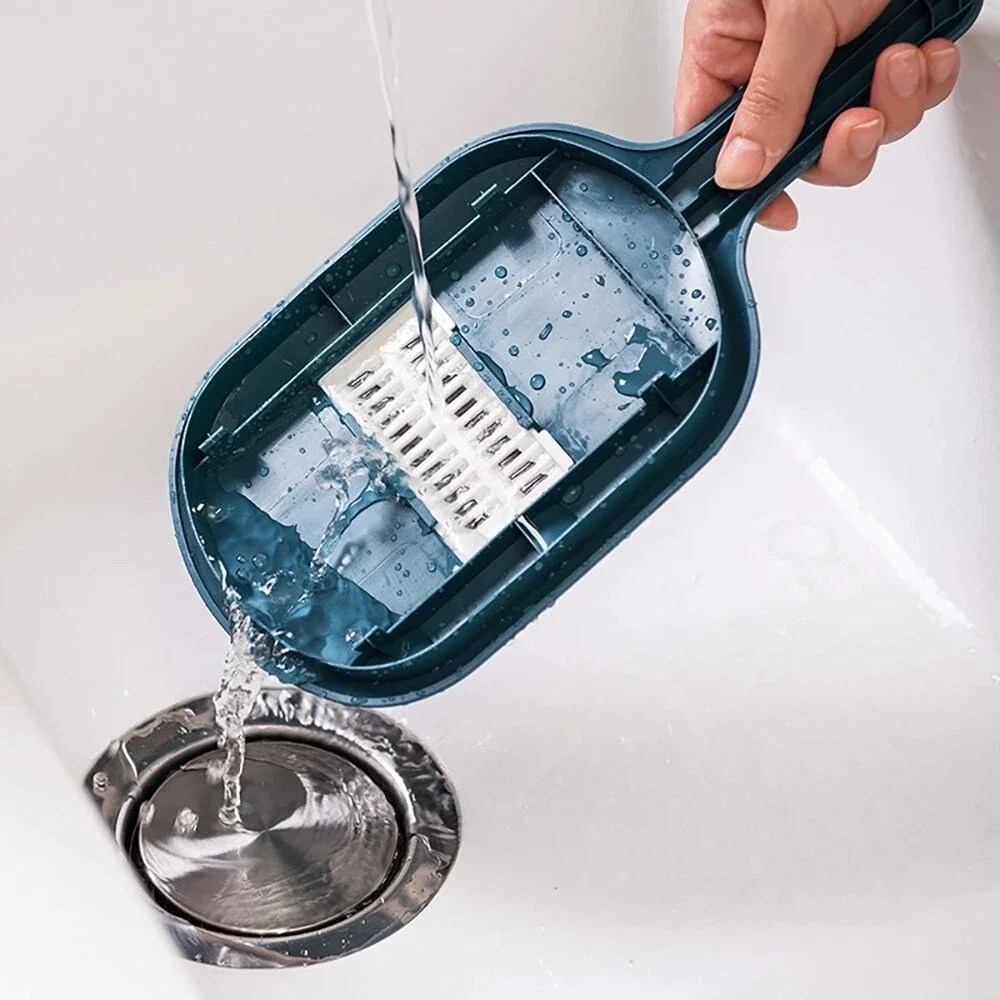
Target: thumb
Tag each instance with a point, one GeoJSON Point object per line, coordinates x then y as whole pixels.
{"type": "Point", "coordinates": [799, 39]}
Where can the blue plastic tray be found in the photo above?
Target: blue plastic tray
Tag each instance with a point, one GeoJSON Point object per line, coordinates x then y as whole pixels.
{"type": "Point", "coordinates": [601, 288]}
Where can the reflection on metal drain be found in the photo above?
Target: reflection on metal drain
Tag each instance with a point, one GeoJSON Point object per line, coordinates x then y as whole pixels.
{"type": "Point", "coordinates": [349, 829]}
{"type": "Point", "coordinates": [318, 839]}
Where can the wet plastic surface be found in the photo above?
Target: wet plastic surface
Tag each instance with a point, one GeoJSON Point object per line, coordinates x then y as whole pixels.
{"type": "Point", "coordinates": [600, 288]}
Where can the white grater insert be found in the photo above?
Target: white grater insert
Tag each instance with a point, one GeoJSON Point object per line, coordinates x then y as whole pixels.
{"type": "Point", "coordinates": [474, 467]}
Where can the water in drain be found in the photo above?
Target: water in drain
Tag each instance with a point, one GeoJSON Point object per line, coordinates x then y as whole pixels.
{"type": "Point", "coordinates": [317, 839]}
{"type": "Point", "coordinates": [349, 828]}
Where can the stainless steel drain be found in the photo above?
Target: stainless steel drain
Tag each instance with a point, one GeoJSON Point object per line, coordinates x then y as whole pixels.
{"type": "Point", "coordinates": [349, 829]}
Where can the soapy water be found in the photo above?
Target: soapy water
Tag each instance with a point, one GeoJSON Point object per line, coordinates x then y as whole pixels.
{"type": "Point", "coordinates": [385, 49]}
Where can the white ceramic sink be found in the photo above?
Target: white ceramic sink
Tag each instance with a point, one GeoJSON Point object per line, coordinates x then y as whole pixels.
{"type": "Point", "coordinates": [756, 752]}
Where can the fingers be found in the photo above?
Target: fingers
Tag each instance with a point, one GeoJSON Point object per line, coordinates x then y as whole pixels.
{"type": "Point", "coordinates": [944, 60]}
{"type": "Point", "coordinates": [850, 149]}
{"type": "Point", "coordinates": [713, 65]}
{"type": "Point", "coordinates": [698, 95]}
{"type": "Point", "coordinates": [781, 214]}
{"type": "Point", "coordinates": [899, 89]}
{"type": "Point", "coordinates": [908, 81]}
{"type": "Point", "coordinates": [797, 45]}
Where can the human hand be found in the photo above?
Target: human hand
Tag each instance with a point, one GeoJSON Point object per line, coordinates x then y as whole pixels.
{"type": "Point", "coordinates": [779, 48]}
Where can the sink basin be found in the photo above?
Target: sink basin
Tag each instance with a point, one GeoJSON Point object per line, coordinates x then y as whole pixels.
{"type": "Point", "coordinates": [755, 752]}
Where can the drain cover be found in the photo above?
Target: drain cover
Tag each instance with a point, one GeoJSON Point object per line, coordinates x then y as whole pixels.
{"type": "Point", "coordinates": [317, 840]}
{"type": "Point", "coordinates": [349, 828]}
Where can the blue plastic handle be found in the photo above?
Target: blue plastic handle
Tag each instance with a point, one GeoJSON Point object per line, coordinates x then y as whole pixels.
{"type": "Point", "coordinates": [846, 83]}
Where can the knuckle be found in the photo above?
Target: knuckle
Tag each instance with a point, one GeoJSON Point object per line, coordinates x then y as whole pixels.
{"type": "Point", "coordinates": [763, 102]}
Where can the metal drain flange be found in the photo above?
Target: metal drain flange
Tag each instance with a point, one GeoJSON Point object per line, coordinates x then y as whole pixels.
{"type": "Point", "coordinates": [349, 827]}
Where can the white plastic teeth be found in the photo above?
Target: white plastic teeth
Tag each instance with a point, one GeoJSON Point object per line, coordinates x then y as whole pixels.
{"type": "Point", "coordinates": [467, 458]}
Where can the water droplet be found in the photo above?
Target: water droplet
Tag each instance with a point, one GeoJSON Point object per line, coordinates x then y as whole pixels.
{"type": "Point", "coordinates": [710, 323]}
{"type": "Point", "coordinates": [567, 313]}
{"type": "Point", "coordinates": [581, 251]}
{"type": "Point", "coordinates": [260, 560]}
{"type": "Point", "coordinates": [513, 350]}
{"type": "Point", "coordinates": [312, 337]}
{"type": "Point", "coordinates": [631, 245]}
{"type": "Point", "coordinates": [573, 494]}
{"type": "Point", "coordinates": [470, 302]}
{"type": "Point", "coordinates": [566, 217]}
{"type": "Point", "coordinates": [398, 567]}
{"type": "Point", "coordinates": [432, 567]}
{"type": "Point", "coordinates": [546, 330]}
{"type": "Point", "coordinates": [393, 271]}
{"type": "Point", "coordinates": [601, 280]}
{"type": "Point", "coordinates": [552, 236]}
{"type": "Point", "coordinates": [696, 294]}
{"type": "Point", "coordinates": [562, 389]}
{"type": "Point", "coordinates": [265, 471]}
{"type": "Point", "coordinates": [216, 515]}
{"type": "Point", "coordinates": [584, 187]}
{"type": "Point", "coordinates": [501, 272]}
{"type": "Point", "coordinates": [478, 366]}
{"type": "Point", "coordinates": [596, 359]}
{"type": "Point", "coordinates": [456, 338]}
{"type": "Point", "coordinates": [465, 328]}
{"type": "Point", "coordinates": [186, 822]}
{"type": "Point", "coordinates": [455, 276]}
{"type": "Point", "coordinates": [654, 255]}
{"type": "Point", "coordinates": [406, 573]}
{"type": "Point", "coordinates": [302, 451]}
{"type": "Point", "coordinates": [537, 382]}
{"type": "Point", "coordinates": [677, 249]}
{"type": "Point", "coordinates": [685, 262]}
{"type": "Point", "coordinates": [399, 593]}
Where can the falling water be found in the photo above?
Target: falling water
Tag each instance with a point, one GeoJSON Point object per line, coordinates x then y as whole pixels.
{"type": "Point", "coordinates": [238, 689]}
{"type": "Point", "coordinates": [346, 461]}
{"type": "Point", "coordinates": [251, 648]}
{"type": "Point", "coordinates": [242, 674]}
{"type": "Point", "coordinates": [381, 26]}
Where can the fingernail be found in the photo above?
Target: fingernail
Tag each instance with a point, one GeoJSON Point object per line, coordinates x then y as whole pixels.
{"type": "Point", "coordinates": [943, 64]}
{"type": "Point", "coordinates": [864, 139]}
{"type": "Point", "coordinates": [740, 163]}
{"type": "Point", "coordinates": [904, 73]}
{"type": "Point", "coordinates": [779, 227]}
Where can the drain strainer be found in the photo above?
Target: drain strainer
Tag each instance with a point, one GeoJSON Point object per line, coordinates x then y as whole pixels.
{"type": "Point", "coordinates": [349, 827]}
